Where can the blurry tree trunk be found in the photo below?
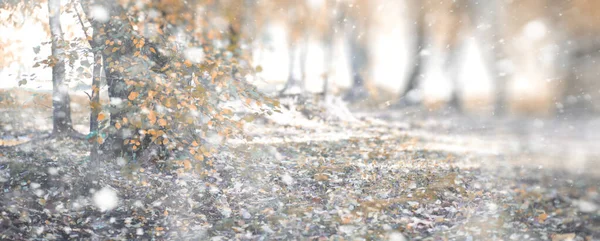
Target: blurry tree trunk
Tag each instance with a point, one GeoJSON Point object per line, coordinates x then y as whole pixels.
{"type": "Point", "coordinates": [358, 64]}
{"type": "Point", "coordinates": [486, 14]}
{"type": "Point", "coordinates": [359, 57]}
{"type": "Point", "coordinates": [417, 68]}
{"type": "Point", "coordinates": [95, 105]}
{"type": "Point", "coordinates": [291, 81]}
{"type": "Point", "coordinates": [61, 103]}
{"type": "Point", "coordinates": [328, 44]}
{"type": "Point", "coordinates": [303, 55]}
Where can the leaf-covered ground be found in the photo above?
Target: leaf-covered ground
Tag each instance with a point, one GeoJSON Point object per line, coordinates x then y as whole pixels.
{"type": "Point", "coordinates": [368, 179]}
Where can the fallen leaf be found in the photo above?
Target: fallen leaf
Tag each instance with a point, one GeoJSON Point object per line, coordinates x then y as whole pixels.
{"type": "Point", "coordinates": [162, 122]}
{"type": "Point", "coordinates": [133, 95]}
{"type": "Point", "coordinates": [563, 236]}
{"type": "Point", "coordinates": [542, 217]}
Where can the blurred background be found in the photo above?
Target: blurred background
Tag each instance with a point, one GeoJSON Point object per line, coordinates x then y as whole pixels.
{"type": "Point", "coordinates": [527, 57]}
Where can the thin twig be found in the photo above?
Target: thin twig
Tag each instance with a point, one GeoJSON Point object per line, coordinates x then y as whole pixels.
{"type": "Point", "coordinates": [87, 37]}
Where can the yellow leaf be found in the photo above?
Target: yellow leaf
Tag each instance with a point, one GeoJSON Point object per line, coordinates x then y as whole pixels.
{"type": "Point", "coordinates": [162, 122]}
{"type": "Point", "coordinates": [100, 140]}
{"type": "Point", "coordinates": [194, 143]}
{"type": "Point", "coordinates": [125, 120]}
{"type": "Point", "coordinates": [152, 50]}
{"type": "Point", "coordinates": [133, 95]}
{"type": "Point", "coordinates": [101, 116]}
{"type": "Point", "coordinates": [165, 141]}
{"type": "Point", "coordinates": [187, 63]}
{"type": "Point", "coordinates": [114, 49]}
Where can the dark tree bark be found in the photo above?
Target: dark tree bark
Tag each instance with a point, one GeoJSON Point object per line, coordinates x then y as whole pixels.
{"type": "Point", "coordinates": [61, 102]}
{"type": "Point", "coordinates": [119, 30]}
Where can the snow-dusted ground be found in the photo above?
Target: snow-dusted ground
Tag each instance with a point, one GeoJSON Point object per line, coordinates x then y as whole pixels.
{"type": "Point", "coordinates": [371, 176]}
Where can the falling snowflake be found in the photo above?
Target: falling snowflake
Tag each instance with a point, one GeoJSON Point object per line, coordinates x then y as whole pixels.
{"type": "Point", "coordinates": [100, 13]}
{"type": "Point", "coordinates": [106, 199]}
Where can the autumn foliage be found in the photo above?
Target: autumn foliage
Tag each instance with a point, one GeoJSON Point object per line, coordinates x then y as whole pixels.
{"type": "Point", "coordinates": [160, 94]}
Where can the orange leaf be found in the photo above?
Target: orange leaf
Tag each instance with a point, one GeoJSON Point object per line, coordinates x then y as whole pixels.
{"type": "Point", "coordinates": [101, 116]}
{"type": "Point", "coordinates": [187, 165]}
{"type": "Point", "coordinates": [133, 95]}
{"type": "Point", "coordinates": [118, 125]}
{"type": "Point", "coordinates": [162, 122]}
{"type": "Point", "coordinates": [152, 50]}
{"type": "Point", "coordinates": [152, 117]}
{"type": "Point", "coordinates": [194, 143]}
{"type": "Point", "coordinates": [542, 217]}
{"type": "Point", "coordinates": [187, 63]}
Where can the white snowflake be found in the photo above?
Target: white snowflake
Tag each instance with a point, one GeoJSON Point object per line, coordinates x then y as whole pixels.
{"type": "Point", "coordinates": [106, 199]}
